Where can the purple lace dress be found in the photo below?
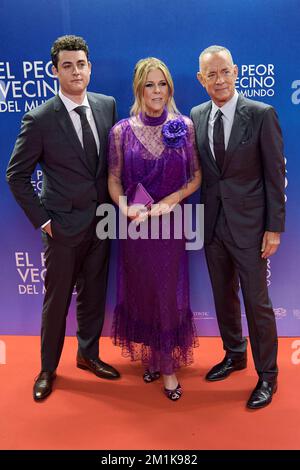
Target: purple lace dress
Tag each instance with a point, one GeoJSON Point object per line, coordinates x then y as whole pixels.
{"type": "Point", "coordinates": [153, 320]}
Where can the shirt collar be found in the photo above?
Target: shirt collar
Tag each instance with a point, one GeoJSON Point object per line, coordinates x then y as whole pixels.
{"type": "Point", "coordinates": [228, 109]}
{"type": "Point", "coordinates": [71, 105]}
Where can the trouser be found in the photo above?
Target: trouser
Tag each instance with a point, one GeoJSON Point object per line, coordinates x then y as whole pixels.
{"type": "Point", "coordinates": [228, 266]}
{"type": "Point", "coordinates": [86, 267]}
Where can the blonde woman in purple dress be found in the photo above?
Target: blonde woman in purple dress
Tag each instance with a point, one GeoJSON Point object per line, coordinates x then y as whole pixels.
{"type": "Point", "coordinates": [153, 321]}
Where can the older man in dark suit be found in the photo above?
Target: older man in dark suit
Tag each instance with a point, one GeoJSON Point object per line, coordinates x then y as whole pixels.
{"type": "Point", "coordinates": [241, 152]}
{"type": "Point", "coordinates": [67, 136]}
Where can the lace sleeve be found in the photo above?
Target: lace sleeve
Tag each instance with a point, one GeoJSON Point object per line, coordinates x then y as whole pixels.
{"type": "Point", "coordinates": [193, 154]}
{"type": "Point", "coordinates": [115, 152]}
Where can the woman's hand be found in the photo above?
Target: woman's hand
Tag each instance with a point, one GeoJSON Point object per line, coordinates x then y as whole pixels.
{"type": "Point", "coordinates": [137, 212]}
{"type": "Point", "coordinates": [166, 205]}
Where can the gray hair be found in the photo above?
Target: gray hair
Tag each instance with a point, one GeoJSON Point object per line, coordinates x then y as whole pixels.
{"type": "Point", "coordinates": [214, 50]}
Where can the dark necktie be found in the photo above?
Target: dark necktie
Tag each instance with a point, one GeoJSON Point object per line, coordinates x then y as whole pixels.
{"type": "Point", "coordinates": [218, 136]}
{"type": "Point", "coordinates": [89, 143]}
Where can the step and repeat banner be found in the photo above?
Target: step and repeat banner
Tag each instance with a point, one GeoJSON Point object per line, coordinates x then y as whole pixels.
{"type": "Point", "coordinates": [264, 38]}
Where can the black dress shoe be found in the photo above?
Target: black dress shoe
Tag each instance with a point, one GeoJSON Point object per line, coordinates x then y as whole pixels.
{"type": "Point", "coordinates": [43, 385]}
{"type": "Point", "coordinates": [262, 394]}
{"type": "Point", "coordinates": [226, 367]}
{"type": "Point", "coordinates": [98, 367]}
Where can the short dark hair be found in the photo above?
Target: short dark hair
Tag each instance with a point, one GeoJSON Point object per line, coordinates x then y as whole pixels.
{"type": "Point", "coordinates": [68, 43]}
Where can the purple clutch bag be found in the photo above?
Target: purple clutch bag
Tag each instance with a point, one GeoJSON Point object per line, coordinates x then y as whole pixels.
{"type": "Point", "coordinates": [141, 196]}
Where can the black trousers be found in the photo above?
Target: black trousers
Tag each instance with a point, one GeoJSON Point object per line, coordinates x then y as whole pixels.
{"type": "Point", "coordinates": [228, 267]}
{"type": "Point", "coordinates": [86, 267]}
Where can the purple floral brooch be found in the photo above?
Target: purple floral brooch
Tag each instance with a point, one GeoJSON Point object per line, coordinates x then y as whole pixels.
{"type": "Point", "coordinates": [174, 133]}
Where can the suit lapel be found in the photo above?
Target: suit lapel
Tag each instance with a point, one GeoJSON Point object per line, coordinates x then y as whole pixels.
{"type": "Point", "coordinates": [202, 134]}
{"type": "Point", "coordinates": [100, 125]}
{"type": "Point", "coordinates": [66, 124]}
{"type": "Point", "coordinates": [240, 128]}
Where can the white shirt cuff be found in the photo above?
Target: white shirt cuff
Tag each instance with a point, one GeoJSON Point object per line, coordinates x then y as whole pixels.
{"type": "Point", "coordinates": [46, 223]}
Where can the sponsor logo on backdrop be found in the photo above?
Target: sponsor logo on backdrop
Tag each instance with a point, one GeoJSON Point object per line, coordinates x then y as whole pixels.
{"type": "Point", "coordinates": [280, 313]}
{"type": "Point", "coordinates": [31, 273]}
{"type": "Point", "coordinates": [295, 97]}
{"type": "Point", "coordinates": [37, 181]}
{"type": "Point", "coordinates": [295, 358]}
{"type": "Point", "coordinates": [2, 352]}
{"type": "Point", "coordinates": [296, 313]}
{"type": "Point", "coordinates": [203, 316]}
{"type": "Point", "coordinates": [25, 85]}
{"type": "Point", "coordinates": [256, 80]}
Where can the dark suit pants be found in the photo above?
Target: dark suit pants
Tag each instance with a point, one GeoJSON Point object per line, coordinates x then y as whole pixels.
{"type": "Point", "coordinates": [228, 265]}
{"type": "Point", "coordinates": [86, 267]}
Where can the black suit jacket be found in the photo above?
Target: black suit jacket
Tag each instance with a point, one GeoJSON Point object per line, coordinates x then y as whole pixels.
{"type": "Point", "coordinates": [70, 193]}
{"type": "Point", "coordinates": [251, 183]}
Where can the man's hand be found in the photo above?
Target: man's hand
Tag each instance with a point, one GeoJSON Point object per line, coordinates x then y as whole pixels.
{"type": "Point", "coordinates": [48, 229]}
{"type": "Point", "coordinates": [270, 244]}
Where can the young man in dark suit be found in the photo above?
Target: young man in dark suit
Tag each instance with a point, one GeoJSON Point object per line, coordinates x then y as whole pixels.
{"type": "Point", "coordinates": [241, 152]}
{"type": "Point", "coordinates": [67, 136]}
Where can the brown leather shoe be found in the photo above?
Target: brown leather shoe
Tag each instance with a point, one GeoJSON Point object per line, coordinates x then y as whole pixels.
{"type": "Point", "coordinates": [98, 367]}
{"type": "Point", "coordinates": [43, 385]}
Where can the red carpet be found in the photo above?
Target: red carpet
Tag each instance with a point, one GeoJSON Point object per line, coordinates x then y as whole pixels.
{"type": "Point", "coordinates": [85, 412]}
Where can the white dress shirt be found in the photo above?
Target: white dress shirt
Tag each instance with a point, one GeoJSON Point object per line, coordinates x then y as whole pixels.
{"type": "Point", "coordinates": [75, 118]}
{"type": "Point", "coordinates": [228, 111]}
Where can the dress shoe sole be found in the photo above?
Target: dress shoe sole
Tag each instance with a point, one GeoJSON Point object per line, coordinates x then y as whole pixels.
{"type": "Point", "coordinates": [104, 376]}
{"type": "Point", "coordinates": [217, 379]}
{"type": "Point", "coordinates": [258, 407]}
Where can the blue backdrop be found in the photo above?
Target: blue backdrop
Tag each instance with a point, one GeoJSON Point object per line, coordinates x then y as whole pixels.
{"type": "Point", "coordinates": [263, 36]}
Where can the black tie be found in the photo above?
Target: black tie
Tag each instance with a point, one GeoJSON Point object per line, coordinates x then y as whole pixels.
{"type": "Point", "coordinates": [218, 136]}
{"type": "Point", "coordinates": [89, 143]}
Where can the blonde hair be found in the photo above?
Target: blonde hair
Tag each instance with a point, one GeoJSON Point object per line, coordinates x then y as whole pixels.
{"type": "Point", "coordinates": [141, 70]}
